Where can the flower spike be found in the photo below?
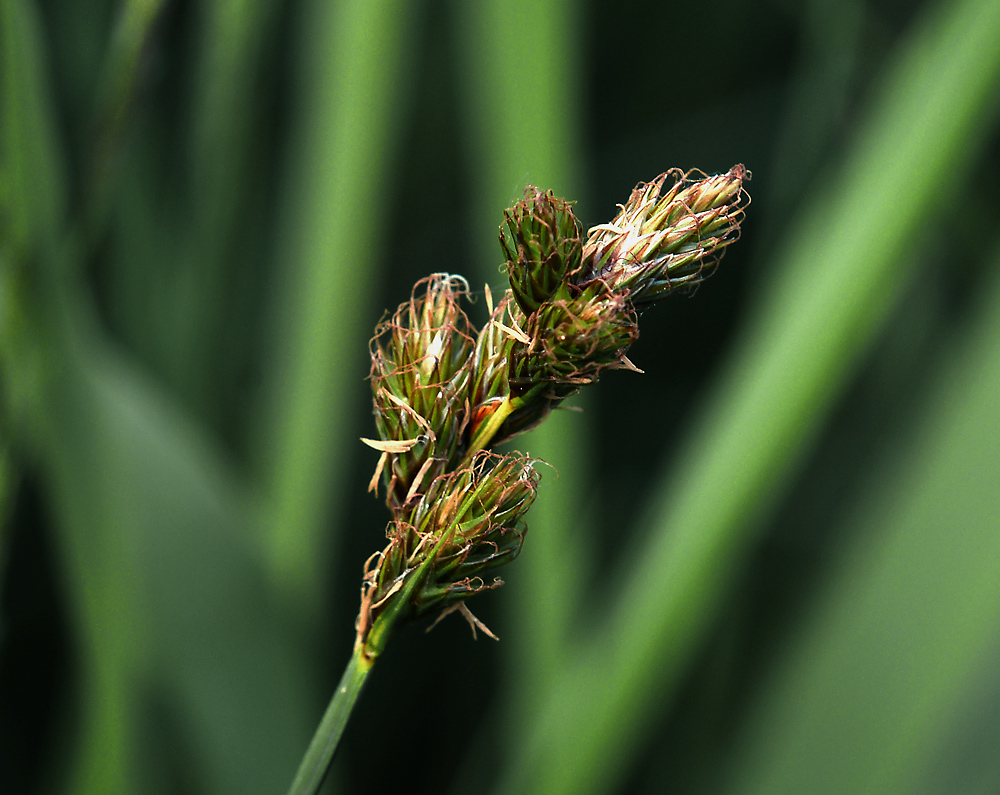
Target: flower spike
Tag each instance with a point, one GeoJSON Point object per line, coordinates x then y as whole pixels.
{"type": "Point", "coordinates": [542, 240]}
{"type": "Point", "coordinates": [445, 395]}
{"type": "Point", "coordinates": [671, 233]}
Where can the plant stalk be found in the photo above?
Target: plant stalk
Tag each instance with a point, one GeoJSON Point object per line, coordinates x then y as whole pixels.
{"type": "Point", "coordinates": [484, 437]}
{"type": "Point", "coordinates": [490, 428]}
{"type": "Point", "coordinates": [317, 759]}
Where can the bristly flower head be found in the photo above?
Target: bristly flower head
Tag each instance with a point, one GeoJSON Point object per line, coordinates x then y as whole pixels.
{"type": "Point", "coordinates": [468, 522]}
{"type": "Point", "coordinates": [421, 365]}
{"type": "Point", "coordinates": [444, 394]}
{"type": "Point", "coordinates": [543, 243]}
{"type": "Point", "coordinates": [671, 233]}
{"type": "Point", "coordinates": [573, 340]}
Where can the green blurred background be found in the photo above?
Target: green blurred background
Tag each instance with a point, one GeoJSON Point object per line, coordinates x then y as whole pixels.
{"type": "Point", "coordinates": [770, 564]}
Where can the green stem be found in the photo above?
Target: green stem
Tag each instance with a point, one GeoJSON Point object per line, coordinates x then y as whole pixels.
{"type": "Point", "coordinates": [489, 429]}
{"type": "Point", "coordinates": [316, 762]}
{"type": "Point", "coordinates": [319, 755]}
{"type": "Point", "coordinates": [484, 436]}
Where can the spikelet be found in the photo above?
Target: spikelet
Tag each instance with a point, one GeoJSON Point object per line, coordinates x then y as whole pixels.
{"type": "Point", "coordinates": [671, 233]}
{"type": "Point", "coordinates": [421, 367]}
{"type": "Point", "coordinates": [468, 522]}
{"type": "Point", "coordinates": [542, 240]}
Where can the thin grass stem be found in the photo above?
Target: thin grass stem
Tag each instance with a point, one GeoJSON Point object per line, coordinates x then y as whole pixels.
{"type": "Point", "coordinates": [319, 755]}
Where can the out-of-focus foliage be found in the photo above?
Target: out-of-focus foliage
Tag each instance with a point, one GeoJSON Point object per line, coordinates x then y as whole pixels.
{"type": "Point", "coordinates": [766, 565]}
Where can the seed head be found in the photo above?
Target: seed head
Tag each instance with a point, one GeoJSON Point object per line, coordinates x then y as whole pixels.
{"type": "Point", "coordinates": [671, 233]}
{"type": "Point", "coordinates": [445, 395]}
{"type": "Point", "coordinates": [468, 522]}
{"type": "Point", "coordinates": [542, 241]}
{"type": "Point", "coordinates": [574, 339]}
{"type": "Point", "coordinates": [421, 366]}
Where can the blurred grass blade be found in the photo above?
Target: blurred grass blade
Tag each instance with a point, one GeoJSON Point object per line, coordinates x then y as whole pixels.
{"type": "Point", "coordinates": [520, 62]}
{"type": "Point", "coordinates": [153, 530]}
{"type": "Point", "coordinates": [32, 174]}
{"type": "Point", "coordinates": [119, 79]}
{"type": "Point", "coordinates": [883, 666]}
{"type": "Point", "coordinates": [522, 106]}
{"type": "Point", "coordinates": [227, 182]}
{"type": "Point", "coordinates": [354, 55]}
{"type": "Point", "coordinates": [224, 126]}
{"type": "Point", "coordinates": [149, 524]}
{"type": "Point", "coordinates": [32, 210]}
{"type": "Point", "coordinates": [817, 315]}
{"type": "Point", "coordinates": [32, 181]}
{"type": "Point", "coordinates": [821, 91]}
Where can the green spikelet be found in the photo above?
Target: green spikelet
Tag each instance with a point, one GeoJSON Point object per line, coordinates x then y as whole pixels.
{"type": "Point", "coordinates": [421, 367]}
{"type": "Point", "coordinates": [468, 522]}
{"type": "Point", "coordinates": [574, 339]}
{"type": "Point", "coordinates": [542, 241]}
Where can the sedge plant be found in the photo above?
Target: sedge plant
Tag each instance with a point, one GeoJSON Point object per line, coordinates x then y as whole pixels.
{"type": "Point", "coordinates": [445, 394]}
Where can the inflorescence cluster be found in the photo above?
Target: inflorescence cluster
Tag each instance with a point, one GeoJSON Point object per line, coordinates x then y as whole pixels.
{"type": "Point", "coordinates": [445, 393]}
